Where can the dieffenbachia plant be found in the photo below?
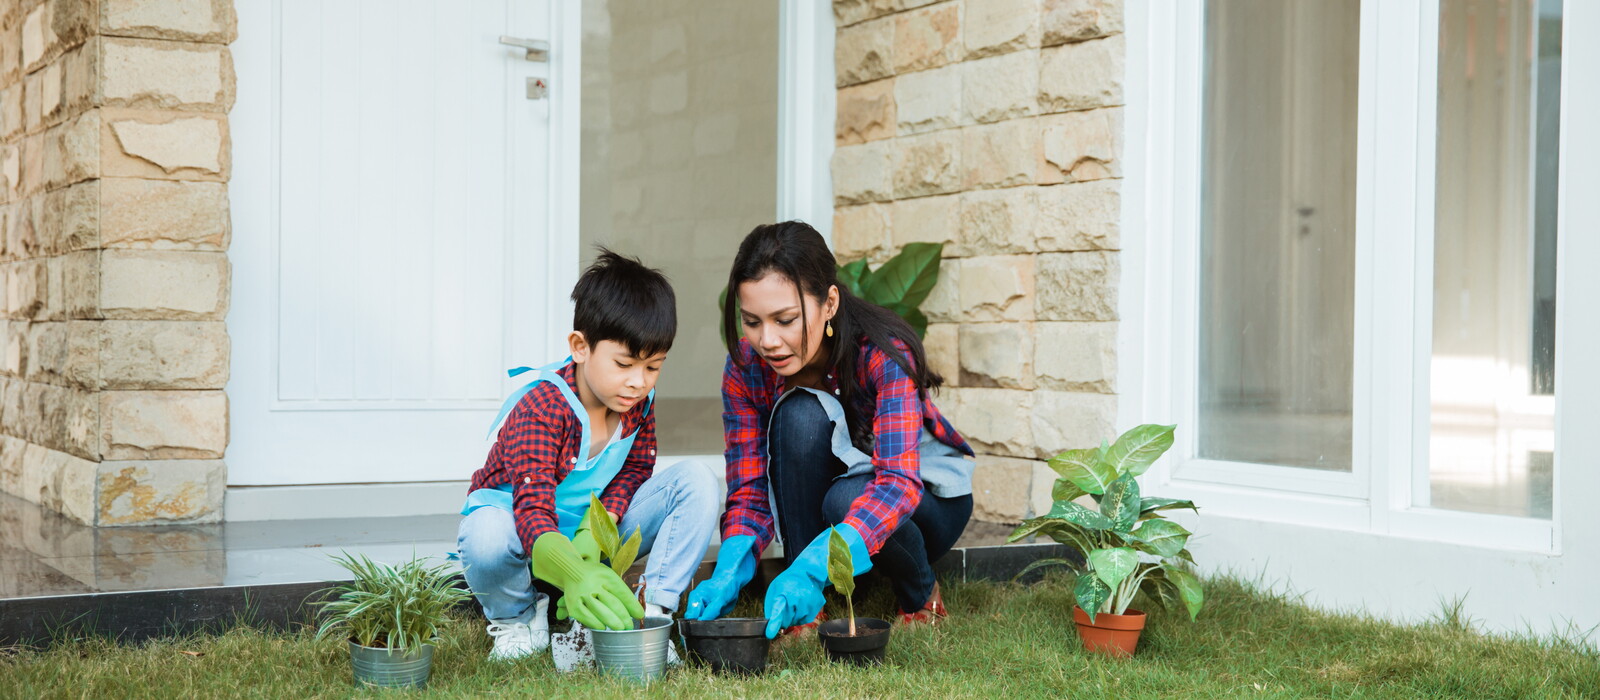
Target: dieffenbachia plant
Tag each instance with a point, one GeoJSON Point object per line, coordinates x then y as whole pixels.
{"type": "Point", "coordinates": [900, 284]}
{"type": "Point", "coordinates": [1127, 546]}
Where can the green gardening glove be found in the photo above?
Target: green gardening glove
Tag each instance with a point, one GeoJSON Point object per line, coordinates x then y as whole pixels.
{"type": "Point", "coordinates": [593, 594]}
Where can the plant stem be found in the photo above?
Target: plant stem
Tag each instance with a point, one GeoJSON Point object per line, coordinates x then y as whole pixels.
{"type": "Point", "coordinates": [850, 608]}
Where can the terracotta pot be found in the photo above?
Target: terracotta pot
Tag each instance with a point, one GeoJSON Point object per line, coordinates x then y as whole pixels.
{"type": "Point", "coordinates": [1111, 635]}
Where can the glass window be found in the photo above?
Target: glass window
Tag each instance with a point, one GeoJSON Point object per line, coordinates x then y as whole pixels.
{"type": "Point", "coordinates": [679, 151]}
{"type": "Point", "coordinates": [1277, 278]}
{"type": "Point", "coordinates": [1492, 374]}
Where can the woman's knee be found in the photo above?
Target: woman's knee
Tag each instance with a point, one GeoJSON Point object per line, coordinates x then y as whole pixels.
{"type": "Point", "coordinates": [801, 415]}
{"type": "Point", "coordinates": [841, 495]}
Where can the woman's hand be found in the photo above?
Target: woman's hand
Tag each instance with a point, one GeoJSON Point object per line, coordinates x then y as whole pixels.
{"type": "Point", "coordinates": [736, 564]}
{"type": "Point", "coordinates": [795, 596]}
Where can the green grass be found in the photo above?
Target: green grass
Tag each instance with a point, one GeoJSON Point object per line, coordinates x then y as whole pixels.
{"type": "Point", "coordinates": [1002, 641]}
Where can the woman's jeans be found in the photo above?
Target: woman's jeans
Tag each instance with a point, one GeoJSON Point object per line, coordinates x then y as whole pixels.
{"type": "Point", "coordinates": [675, 511]}
{"type": "Point", "coordinates": [802, 474]}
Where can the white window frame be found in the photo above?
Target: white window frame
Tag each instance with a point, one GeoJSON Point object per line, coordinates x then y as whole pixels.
{"type": "Point", "coordinates": [1393, 295]}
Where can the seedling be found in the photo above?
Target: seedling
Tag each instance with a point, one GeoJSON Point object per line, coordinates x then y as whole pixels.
{"type": "Point", "coordinates": [620, 554]}
{"type": "Point", "coordinates": [841, 571]}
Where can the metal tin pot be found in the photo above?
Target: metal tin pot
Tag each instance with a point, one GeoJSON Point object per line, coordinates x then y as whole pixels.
{"type": "Point", "coordinates": [390, 668]}
{"type": "Point", "coordinates": [639, 654]}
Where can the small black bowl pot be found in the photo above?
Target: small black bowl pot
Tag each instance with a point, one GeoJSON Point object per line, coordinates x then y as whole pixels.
{"type": "Point", "coordinates": [728, 645]}
{"type": "Point", "coordinates": [864, 649]}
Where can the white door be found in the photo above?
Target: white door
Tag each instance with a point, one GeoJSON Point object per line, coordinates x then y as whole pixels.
{"type": "Point", "coordinates": [392, 244]}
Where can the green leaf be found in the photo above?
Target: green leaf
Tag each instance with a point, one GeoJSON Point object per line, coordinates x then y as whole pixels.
{"type": "Point", "coordinates": [1034, 525]}
{"type": "Point", "coordinates": [1091, 593]}
{"type": "Point", "coordinates": [1138, 448]}
{"type": "Point", "coordinates": [626, 553]}
{"type": "Point", "coordinates": [841, 570]}
{"type": "Point", "coordinates": [1113, 565]}
{"type": "Point", "coordinates": [1065, 491]}
{"type": "Point", "coordinates": [1079, 515]}
{"type": "Point", "coordinates": [598, 521]}
{"type": "Point", "coordinates": [906, 278]}
{"type": "Point", "coordinates": [1041, 563]}
{"type": "Point", "coordinates": [1162, 538]}
{"type": "Point", "coordinates": [913, 316]}
{"type": "Point", "coordinates": [1156, 587]}
{"type": "Point", "coordinates": [1084, 469]}
{"type": "Point", "coordinates": [1188, 589]}
{"type": "Point", "coordinates": [1121, 503]}
{"type": "Point", "coordinates": [853, 274]}
{"type": "Point", "coordinates": [1151, 505]}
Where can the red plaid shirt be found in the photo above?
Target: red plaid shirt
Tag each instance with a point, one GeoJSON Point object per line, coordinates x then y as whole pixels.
{"type": "Point", "coordinates": [889, 400]}
{"type": "Point", "coordinates": [538, 447]}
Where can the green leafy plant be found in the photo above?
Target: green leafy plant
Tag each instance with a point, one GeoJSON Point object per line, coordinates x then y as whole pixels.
{"type": "Point", "coordinates": [619, 554]}
{"type": "Point", "coordinates": [901, 284]}
{"type": "Point", "coordinates": [396, 607]}
{"type": "Point", "coordinates": [1127, 546]}
{"type": "Point", "coordinates": [841, 572]}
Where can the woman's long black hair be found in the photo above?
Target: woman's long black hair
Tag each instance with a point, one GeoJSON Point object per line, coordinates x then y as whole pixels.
{"type": "Point", "coordinates": [796, 251]}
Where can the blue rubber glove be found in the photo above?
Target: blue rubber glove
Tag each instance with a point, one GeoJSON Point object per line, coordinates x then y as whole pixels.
{"type": "Point", "coordinates": [795, 596]}
{"type": "Point", "coordinates": [736, 565]}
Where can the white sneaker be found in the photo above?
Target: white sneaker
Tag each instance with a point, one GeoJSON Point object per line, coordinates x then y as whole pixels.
{"type": "Point", "coordinates": [519, 638]}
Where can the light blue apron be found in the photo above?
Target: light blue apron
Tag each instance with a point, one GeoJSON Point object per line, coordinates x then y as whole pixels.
{"type": "Point", "coordinates": [587, 475]}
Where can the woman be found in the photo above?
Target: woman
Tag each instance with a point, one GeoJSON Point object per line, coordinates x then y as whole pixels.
{"type": "Point", "coordinates": [816, 381]}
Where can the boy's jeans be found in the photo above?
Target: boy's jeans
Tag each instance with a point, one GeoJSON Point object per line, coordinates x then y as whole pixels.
{"type": "Point", "coordinates": [675, 509]}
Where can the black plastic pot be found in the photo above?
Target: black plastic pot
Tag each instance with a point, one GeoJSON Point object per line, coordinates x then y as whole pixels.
{"type": "Point", "coordinates": [728, 645]}
{"type": "Point", "coordinates": [864, 649]}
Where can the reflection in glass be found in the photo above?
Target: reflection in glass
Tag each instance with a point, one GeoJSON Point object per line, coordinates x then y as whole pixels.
{"type": "Point", "coordinates": [680, 105]}
{"type": "Point", "coordinates": [1277, 280]}
{"type": "Point", "coordinates": [1493, 366]}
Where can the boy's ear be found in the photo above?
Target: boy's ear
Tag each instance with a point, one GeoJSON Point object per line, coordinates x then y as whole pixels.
{"type": "Point", "coordinates": [578, 346]}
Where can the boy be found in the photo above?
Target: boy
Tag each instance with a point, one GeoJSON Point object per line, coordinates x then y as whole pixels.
{"type": "Point", "coordinates": [584, 425]}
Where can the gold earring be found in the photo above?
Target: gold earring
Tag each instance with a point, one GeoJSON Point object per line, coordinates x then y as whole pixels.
{"type": "Point", "coordinates": [829, 329]}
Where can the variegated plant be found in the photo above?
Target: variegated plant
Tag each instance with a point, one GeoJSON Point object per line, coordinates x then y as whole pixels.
{"type": "Point", "coordinates": [1127, 546]}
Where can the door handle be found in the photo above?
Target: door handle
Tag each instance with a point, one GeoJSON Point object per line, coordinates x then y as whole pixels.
{"type": "Point", "coordinates": [538, 49]}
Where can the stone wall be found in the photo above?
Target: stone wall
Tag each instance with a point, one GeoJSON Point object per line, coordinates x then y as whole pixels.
{"type": "Point", "coordinates": [114, 159]}
{"type": "Point", "coordinates": [994, 126]}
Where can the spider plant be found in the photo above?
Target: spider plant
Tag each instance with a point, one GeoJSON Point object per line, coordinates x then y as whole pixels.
{"type": "Point", "coordinates": [395, 607]}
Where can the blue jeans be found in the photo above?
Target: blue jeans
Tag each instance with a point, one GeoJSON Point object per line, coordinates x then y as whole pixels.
{"type": "Point", "coordinates": [810, 496]}
{"type": "Point", "coordinates": [675, 511]}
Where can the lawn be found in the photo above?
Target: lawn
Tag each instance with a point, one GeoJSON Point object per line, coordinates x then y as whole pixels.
{"type": "Point", "coordinates": [1002, 641]}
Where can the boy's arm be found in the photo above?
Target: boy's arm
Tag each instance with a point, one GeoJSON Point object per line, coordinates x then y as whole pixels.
{"type": "Point", "coordinates": [534, 440]}
{"type": "Point", "coordinates": [638, 467]}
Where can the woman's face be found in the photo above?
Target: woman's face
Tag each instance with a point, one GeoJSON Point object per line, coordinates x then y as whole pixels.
{"type": "Point", "coordinates": [770, 312]}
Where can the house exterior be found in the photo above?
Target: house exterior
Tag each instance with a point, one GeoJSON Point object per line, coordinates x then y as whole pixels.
{"type": "Point", "coordinates": [264, 259]}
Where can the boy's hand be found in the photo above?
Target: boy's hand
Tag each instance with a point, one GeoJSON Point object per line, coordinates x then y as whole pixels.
{"type": "Point", "coordinates": [593, 594]}
{"type": "Point", "coordinates": [583, 542]}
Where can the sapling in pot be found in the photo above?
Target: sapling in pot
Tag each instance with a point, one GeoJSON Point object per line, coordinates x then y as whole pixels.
{"type": "Point", "coordinates": [639, 653]}
{"type": "Point", "coordinates": [843, 639]}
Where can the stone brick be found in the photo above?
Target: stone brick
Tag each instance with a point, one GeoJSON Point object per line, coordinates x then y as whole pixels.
{"type": "Point", "coordinates": [10, 50]}
{"type": "Point", "coordinates": [1080, 216]}
{"type": "Point", "coordinates": [1083, 75]}
{"type": "Point", "coordinates": [165, 145]}
{"type": "Point", "coordinates": [927, 38]}
{"type": "Point", "coordinates": [11, 122]}
{"type": "Point", "coordinates": [995, 421]}
{"type": "Point", "coordinates": [145, 74]}
{"type": "Point", "coordinates": [861, 231]}
{"type": "Point", "coordinates": [60, 482]}
{"type": "Point", "coordinates": [1001, 87]}
{"type": "Point", "coordinates": [80, 80]}
{"type": "Point", "coordinates": [997, 355]}
{"type": "Point", "coordinates": [14, 336]}
{"type": "Point", "coordinates": [142, 355]}
{"type": "Point", "coordinates": [11, 178]}
{"type": "Point", "coordinates": [27, 288]}
{"type": "Point", "coordinates": [72, 151]}
{"type": "Point", "coordinates": [22, 228]}
{"type": "Point", "coordinates": [942, 345]}
{"type": "Point", "coordinates": [211, 21]}
{"type": "Point", "coordinates": [71, 219]}
{"type": "Point", "coordinates": [1081, 146]}
{"type": "Point", "coordinates": [1077, 20]}
{"type": "Point", "coordinates": [928, 100]}
{"type": "Point", "coordinates": [866, 112]}
{"type": "Point", "coordinates": [1077, 287]}
{"type": "Point", "coordinates": [927, 164]}
{"type": "Point", "coordinates": [57, 417]}
{"type": "Point", "coordinates": [158, 492]}
{"type": "Point", "coordinates": [864, 52]}
{"type": "Point", "coordinates": [848, 12]}
{"type": "Point", "coordinates": [164, 285]}
{"type": "Point", "coordinates": [36, 37]}
{"type": "Point", "coordinates": [75, 285]}
{"type": "Point", "coordinates": [944, 302]}
{"type": "Point", "coordinates": [164, 424]}
{"type": "Point", "coordinates": [1000, 155]}
{"type": "Point", "coordinates": [66, 353]}
{"type": "Point", "coordinates": [997, 288]}
{"type": "Point", "coordinates": [1002, 489]}
{"type": "Point", "coordinates": [863, 172]}
{"type": "Point", "coordinates": [992, 27]}
{"type": "Point", "coordinates": [164, 215]}
{"type": "Point", "coordinates": [928, 220]}
{"type": "Point", "coordinates": [1068, 421]}
{"type": "Point", "coordinates": [1076, 356]}
{"type": "Point", "coordinates": [52, 29]}
{"type": "Point", "coordinates": [998, 221]}
{"type": "Point", "coordinates": [11, 465]}
{"type": "Point", "coordinates": [33, 101]}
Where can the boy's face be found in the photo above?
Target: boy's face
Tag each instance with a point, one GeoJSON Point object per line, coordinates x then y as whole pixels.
{"type": "Point", "coordinates": [611, 375]}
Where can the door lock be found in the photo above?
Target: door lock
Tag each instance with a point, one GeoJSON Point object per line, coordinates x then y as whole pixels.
{"type": "Point", "coordinates": [538, 49]}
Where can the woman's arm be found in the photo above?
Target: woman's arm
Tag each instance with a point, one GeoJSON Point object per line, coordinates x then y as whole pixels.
{"type": "Point", "coordinates": [896, 486]}
{"type": "Point", "coordinates": [748, 512]}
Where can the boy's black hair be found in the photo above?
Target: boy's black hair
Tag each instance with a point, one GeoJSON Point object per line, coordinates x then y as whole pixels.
{"type": "Point", "coordinates": [621, 300]}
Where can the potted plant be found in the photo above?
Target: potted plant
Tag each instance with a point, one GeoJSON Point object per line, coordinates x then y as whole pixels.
{"type": "Point", "coordinates": [391, 617]}
{"type": "Point", "coordinates": [1126, 545]}
{"type": "Point", "coordinates": [900, 284]}
{"type": "Point", "coordinates": [860, 642]}
{"type": "Point", "coordinates": [728, 644]}
{"type": "Point", "coordinates": [639, 653]}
